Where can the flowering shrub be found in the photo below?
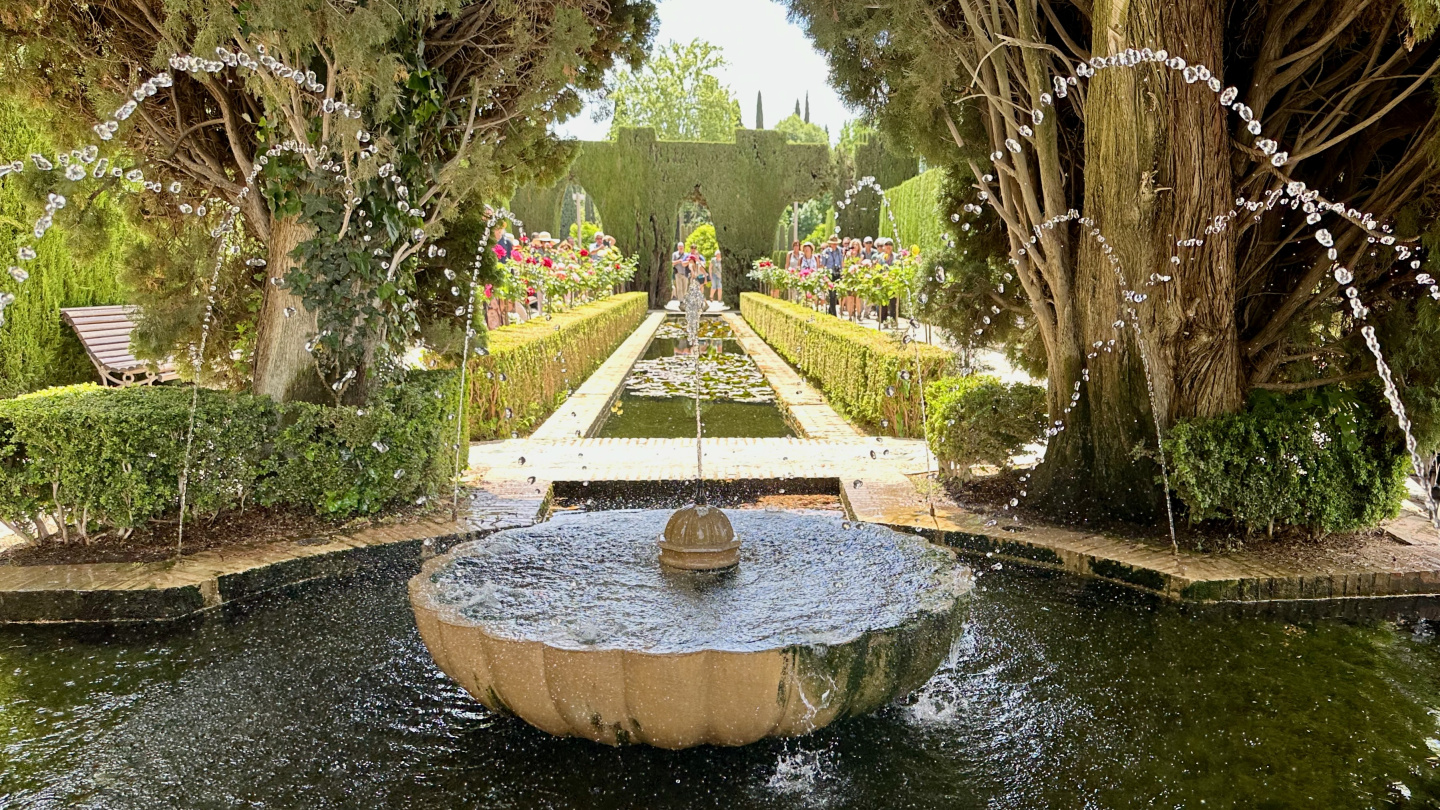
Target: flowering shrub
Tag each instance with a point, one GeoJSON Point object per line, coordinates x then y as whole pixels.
{"type": "Point", "coordinates": [564, 277]}
{"type": "Point", "coordinates": [866, 279]}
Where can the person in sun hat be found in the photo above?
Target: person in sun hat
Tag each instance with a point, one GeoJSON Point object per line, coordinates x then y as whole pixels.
{"type": "Point", "coordinates": [832, 258]}
{"type": "Point", "coordinates": [867, 250]}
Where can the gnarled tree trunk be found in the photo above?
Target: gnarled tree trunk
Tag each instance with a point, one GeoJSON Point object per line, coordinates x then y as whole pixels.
{"type": "Point", "coordinates": [284, 370]}
{"type": "Point", "coordinates": [1157, 171]}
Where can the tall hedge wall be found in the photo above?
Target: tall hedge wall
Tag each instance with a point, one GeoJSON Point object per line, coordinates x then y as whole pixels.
{"type": "Point", "coordinates": [916, 216]}
{"type": "Point", "coordinates": [531, 367]}
{"type": "Point", "coordinates": [36, 349]}
{"type": "Point", "coordinates": [862, 372]}
{"type": "Point", "coordinates": [638, 183]}
{"type": "Point", "coordinates": [872, 158]}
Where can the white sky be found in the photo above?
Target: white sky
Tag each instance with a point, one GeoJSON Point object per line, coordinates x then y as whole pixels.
{"type": "Point", "coordinates": [766, 54]}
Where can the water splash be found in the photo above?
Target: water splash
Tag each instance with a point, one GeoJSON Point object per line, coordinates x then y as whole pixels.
{"type": "Point", "coordinates": [695, 305]}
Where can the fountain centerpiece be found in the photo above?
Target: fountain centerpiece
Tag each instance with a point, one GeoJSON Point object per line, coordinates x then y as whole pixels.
{"type": "Point", "coordinates": [585, 626]}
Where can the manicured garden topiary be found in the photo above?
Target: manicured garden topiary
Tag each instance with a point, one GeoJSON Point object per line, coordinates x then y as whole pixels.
{"type": "Point", "coordinates": [977, 419]}
{"type": "Point", "coordinates": [530, 368]}
{"type": "Point", "coordinates": [1324, 460]}
{"type": "Point", "coordinates": [868, 376]}
{"type": "Point", "coordinates": [84, 458]}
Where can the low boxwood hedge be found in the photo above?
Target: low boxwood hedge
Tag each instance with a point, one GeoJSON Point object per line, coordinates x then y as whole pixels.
{"type": "Point", "coordinates": [530, 367]}
{"type": "Point", "coordinates": [977, 419]}
{"type": "Point", "coordinates": [83, 457]}
{"type": "Point", "coordinates": [1325, 460]}
{"type": "Point", "coordinates": [869, 377]}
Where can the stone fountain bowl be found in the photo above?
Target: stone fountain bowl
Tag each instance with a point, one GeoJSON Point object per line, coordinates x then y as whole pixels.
{"type": "Point", "coordinates": [574, 627]}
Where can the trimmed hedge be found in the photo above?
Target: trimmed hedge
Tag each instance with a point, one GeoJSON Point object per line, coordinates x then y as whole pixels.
{"type": "Point", "coordinates": [638, 181]}
{"type": "Point", "coordinates": [87, 457]}
{"type": "Point", "coordinates": [1324, 460]}
{"type": "Point", "coordinates": [73, 268]}
{"type": "Point", "coordinates": [915, 204]}
{"type": "Point", "coordinates": [869, 377]}
{"type": "Point", "coordinates": [978, 419]}
{"type": "Point", "coordinates": [531, 367]}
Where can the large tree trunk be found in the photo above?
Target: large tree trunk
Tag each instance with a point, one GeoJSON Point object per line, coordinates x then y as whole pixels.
{"type": "Point", "coordinates": [284, 370]}
{"type": "Point", "coordinates": [1156, 172]}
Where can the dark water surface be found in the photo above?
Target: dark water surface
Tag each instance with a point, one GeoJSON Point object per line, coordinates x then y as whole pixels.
{"type": "Point", "coordinates": [1063, 694]}
{"type": "Point", "coordinates": [673, 417]}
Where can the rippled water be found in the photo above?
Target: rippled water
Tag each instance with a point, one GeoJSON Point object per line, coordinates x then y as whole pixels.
{"type": "Point", "coordinates": [1061, 694]}
{"type": "Point", "coordinates": [595, 581]}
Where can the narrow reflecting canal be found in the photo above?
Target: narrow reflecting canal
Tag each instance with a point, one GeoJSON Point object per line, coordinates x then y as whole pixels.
{"type": "Point", "coordinates": [1061, 693]}
{"type": "Point", "coordinates": [658, 397]}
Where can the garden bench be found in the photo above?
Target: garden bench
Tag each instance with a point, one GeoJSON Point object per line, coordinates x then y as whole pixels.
{"type": "Point", "coordinates": [105, 334]}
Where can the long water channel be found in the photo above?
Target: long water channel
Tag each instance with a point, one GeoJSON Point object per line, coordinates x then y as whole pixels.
{"type": "Point", "coordinates": [657, 401]}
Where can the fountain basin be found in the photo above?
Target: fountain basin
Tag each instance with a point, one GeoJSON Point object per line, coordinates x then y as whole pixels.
{"type": "Point", "coordinates": [574, 627]}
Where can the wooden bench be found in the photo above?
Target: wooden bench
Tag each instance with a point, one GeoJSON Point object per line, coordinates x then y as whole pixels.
{"type": "Point", "coordinates": [105, 334]}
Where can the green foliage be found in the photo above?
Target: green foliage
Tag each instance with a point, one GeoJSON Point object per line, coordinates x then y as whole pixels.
{"type": "Point", "coordinates": [759, 110]}
{"type": "Point", "coordinates": [531, 367]}
{"type": "Point", "coordinates": [815, 214]}
{"type": "Point", "coordinates": [1409, 332]}
{"type": "Point", "coordinates": [87, 457]}
{"type": "Point", "coordinates": [79, 264]}
{"type": "Point", "coordinates": [798, 130]}
{"type": "Point", "coordinates": [473, 124]}
{"type": "Point", "coordinates": [868, 376]}
{"type": "Point", "coordinates": [975, 290]}
{"type": "Point", "coordinates": [914, 206]}
{"type": "Point", "coordinates": [1323, 459]}
{"type": "Point", "coordinates": [978, 419]}
{"type": "Point", "coordinates": [346, 461]}
{"type": "Point", "coordinates": [867, 153]}
{"type": "Point", "coordinates": [702, 241]}
{"type": "Point", "coordinates": [677, 94]}
{"type": "Point", "coordinates": [587, 238]}
{"type": "Point", "coordinates": [638, 181]}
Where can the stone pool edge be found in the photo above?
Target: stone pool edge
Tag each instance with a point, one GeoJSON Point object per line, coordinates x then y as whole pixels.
{"type": "Point", "coordinates": [167, 591]}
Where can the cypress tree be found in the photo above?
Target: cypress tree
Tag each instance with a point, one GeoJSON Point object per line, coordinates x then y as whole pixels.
{"type": "Point", "coordinates": [797, 108]}
{"type": "Point", "coordinates": [807, 106]}
{"type": "Point", "coordinates": [759, 110]}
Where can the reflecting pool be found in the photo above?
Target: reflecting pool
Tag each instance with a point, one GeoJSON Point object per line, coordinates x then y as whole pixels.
{"type": "Point", "coordinates": [1060, 693]}
{"type": "Point", "coordinates": [657, 400]}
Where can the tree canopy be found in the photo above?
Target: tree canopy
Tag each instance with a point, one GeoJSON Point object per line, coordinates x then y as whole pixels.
{"type": "Point", "coordinates": [455, 98]}
{"type": "Point", "coordinates": [798, 130]}
{"type": "Point", "coordinates": [1152, 157]}
{"type": "Point", "coordinates": [677, 94]}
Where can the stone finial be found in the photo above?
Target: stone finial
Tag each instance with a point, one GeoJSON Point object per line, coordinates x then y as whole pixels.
{"type": "Point", "coordinates": [699, 538]}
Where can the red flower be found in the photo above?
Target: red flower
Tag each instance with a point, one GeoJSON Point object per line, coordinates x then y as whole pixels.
{"type": "Point", "coordinates": [546, 261]}
{"type": "Point", "coordinates": [489, 290]}
{"type": "Point", "coordinates": [584, 253]}
{"type": "Point", "coordinates": [499, 251]}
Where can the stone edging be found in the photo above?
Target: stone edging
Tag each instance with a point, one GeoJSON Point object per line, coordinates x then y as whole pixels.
{"type": "Point", "coordinates": [118, 593]}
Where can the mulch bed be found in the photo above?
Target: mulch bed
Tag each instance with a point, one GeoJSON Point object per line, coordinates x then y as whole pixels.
{"type": "Point", "coordinates": [157, 541]}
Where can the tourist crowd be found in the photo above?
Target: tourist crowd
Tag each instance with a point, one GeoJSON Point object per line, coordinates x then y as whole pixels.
{"type": "Point", "coordinates": [540, 274]}
{"type": "Point", "coordinates": [851, 277]}
{"type": "Point", "coordinates": [688, 267]}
